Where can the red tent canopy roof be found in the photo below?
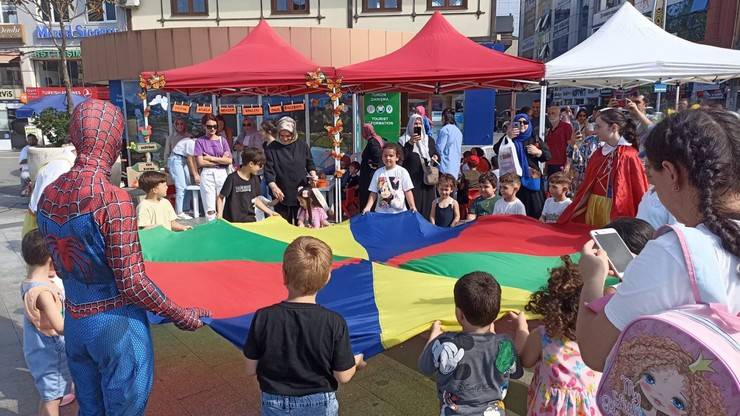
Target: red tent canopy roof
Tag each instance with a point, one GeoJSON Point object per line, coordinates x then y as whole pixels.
{"type": "Point", "coordinates": [262, 63]}
{"type": "Point", "coordinates": [441, 59]}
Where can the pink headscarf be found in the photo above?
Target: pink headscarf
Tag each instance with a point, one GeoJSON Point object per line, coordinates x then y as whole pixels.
{"type": "Point", "coordinates": [368, 132]}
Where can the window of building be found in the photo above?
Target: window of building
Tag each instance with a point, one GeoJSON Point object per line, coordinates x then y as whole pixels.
{"type": "Point", "coordinates": [189, 7]}
{"type": "Point", "coordinates": [446, 4]}
{"type": "Point", "coordinates": [8, 13]}
{"type": "Point", "coordinates": [49, 72]}
{"type": "Point", "coordinates": [290, 6]}
{"type": "Point", "coordinates": [383, 5]}
{"type": "Point", "coordinates": [10, 75]}
{"type": "Point", "coordinates": [105, 13]}
{"type": "Point", "coordinates": [49, 13]}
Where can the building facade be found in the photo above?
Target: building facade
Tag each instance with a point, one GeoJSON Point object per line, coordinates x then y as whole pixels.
{"type": "Point", "coordinates": [549, 28]}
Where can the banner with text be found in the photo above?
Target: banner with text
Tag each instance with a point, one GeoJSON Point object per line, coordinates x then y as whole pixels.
{"type": "Point", "coordinates": [383, 111]}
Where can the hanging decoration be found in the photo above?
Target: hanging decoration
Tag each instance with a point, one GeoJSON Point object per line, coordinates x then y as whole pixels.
{"type": "Point", "coordinates": [227, 109]}
{"type": "Point", "coordinates": [182, 108]}
{"type": "Point", "coordinates": [294, 107]}
{"type": "Point", "coordinates": [318, 80]}
{"type": "Point", "coordinates": [204, 109]}
{"type": "Point", "coordinates": [252, 110]}
{"type": "Point", "coordinates": [276, 109]}
{"type": "Point", "coordinates": [154, 82]}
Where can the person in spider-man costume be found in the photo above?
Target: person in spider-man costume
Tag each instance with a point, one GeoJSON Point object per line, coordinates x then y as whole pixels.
{"type": "Point", "coordinates": [90, 228]}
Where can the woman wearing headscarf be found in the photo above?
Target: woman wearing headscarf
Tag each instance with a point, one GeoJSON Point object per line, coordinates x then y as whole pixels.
{"type": "Point", "coordinates": [420, 110]}
{"type": "Point", "coordinates": [531, 151]}
{"type": "Point", "coordinates": [289, 164]}
{"type": "Point", "coordinates": [371, 160]}
{"type": "Point", "coordinates": [419, 151]}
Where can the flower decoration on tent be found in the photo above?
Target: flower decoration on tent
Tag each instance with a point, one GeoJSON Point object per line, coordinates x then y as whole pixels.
{"type": "Point", "coordinates": [338, 110]}
{"type": "Point", "coordinates": [156, 81]}
{"type": "Point", "coordinates": [337, 128]}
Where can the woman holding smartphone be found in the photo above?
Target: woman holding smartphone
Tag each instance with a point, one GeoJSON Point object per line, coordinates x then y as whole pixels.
{"type": "Point", "coordinates": [419, 151]}
{"type": "Point", "coordinates": [692, 160]}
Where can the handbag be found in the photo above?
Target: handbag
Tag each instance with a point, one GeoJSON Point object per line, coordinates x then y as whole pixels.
{"type": "Point", "coordinates": [508, 160]}
{"type": "Point", "coordinates": [431, 173]}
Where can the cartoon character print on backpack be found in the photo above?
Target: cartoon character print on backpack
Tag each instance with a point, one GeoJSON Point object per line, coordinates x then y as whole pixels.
{"type": "Point", "coordinates": [653, 375]}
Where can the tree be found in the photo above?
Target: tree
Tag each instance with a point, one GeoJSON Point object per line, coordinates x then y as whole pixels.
{"type": "Point", "coordinates": [58, 14]}
{"type": "Point", "coordinates": [54, 125]}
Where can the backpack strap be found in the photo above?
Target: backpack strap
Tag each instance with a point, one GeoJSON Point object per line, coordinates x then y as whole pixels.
{"type": "Point", "coordinates": [701, 264]}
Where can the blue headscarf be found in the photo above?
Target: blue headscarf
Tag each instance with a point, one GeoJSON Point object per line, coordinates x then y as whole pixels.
{"type": "Point", "coordinates": [533, 184]}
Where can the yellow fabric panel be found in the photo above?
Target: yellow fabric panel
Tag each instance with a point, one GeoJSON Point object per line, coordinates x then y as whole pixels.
{"type": "Point", "coordinates": [338, 237]}
{"type": "Point", "coordinates": [598, 210]}
{"type": "Point", "coordinates": [29, 223]}
{"type": "Point", "coordinates": [408, 302]}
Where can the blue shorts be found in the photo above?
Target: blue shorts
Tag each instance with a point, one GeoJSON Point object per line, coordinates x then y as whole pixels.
{"type": "Point", "coordinates": [47, 362]}
{"type": "Point", "coordinates": [319, 404]}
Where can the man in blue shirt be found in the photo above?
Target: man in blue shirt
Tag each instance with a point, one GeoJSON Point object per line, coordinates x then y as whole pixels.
{"type": "Point", "coordinates": [449, 144]}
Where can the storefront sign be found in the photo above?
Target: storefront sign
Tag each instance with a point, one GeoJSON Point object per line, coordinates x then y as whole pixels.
{"type": "Point", "coordinates": [10, 94]}
{"type": "Point", "coordinates": [89, 92]}
{"type": "Point", "coordinates": [72, 32]}
{"type": "Point", "coordinates": [204, 109]}
{"type": "Point", "coordinates": [11, 32]}
{"type": "Point", "coordinates": [383, 111]}
{"type": "Point", "coordinates": [54, 54]}
{"type": "Point", "coordinates": [294, 107]}
{"type": "Point", "coordinates": [252, 111]}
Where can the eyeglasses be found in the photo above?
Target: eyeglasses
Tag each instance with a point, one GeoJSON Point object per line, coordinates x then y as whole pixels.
{"type": "Point", "coordinates": [523, 121]}
{"type": "Point", "coordinates": [212, 126]}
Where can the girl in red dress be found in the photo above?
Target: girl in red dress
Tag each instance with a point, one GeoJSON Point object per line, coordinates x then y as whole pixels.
{"type": "Point", "coordinates": [615, 177]}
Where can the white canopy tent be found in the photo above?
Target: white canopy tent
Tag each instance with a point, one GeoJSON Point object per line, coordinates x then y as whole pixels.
{"type": "Point", "coordinates": [630, 50]}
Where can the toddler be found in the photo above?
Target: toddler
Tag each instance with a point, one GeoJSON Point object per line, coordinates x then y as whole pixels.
{"type": "Point", "coordinates": [43, 327]}
{"type": "Point", "coordinates": [472, 368]}
{"type": "Point", "coordinates": [509, 204]}
{"type": "Point", "coordinates": [562, 383]}
{"type": "Point", "coordinates": [155, 209]}
{"type": "Point", "coordinates": [299, 350]}
{"type": "Point", "coordinates": [240, 194]}
{"type": "Point", "coordinates": [354, 175]}
{"type": "Point", "coordinates": [445, 209]}
{"type": "Point", "coordinates": [311, 214]}
{"type": "Point", "coordinates": [558, 201]}
{"type": "Point", "coordinates": [483, 205]}
{"type": "Point", "coordinates": [390, 188]}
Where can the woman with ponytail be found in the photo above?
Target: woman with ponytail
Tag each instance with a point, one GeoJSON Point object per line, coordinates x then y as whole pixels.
{"type": "Point", "coordinates": [693, 160]}
{"type": "Point", "coordinates": [615, 179]}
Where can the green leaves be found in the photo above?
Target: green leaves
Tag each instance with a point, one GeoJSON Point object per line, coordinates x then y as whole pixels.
{"type": "Point", "coordinates": [54, 125]}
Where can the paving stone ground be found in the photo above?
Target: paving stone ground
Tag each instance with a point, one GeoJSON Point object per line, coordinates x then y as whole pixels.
{"type": "Point", "coordinates": [196, 373]}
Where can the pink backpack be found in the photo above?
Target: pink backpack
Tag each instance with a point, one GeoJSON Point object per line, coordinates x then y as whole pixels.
{"type": "Point", "coordinates": [685, 361]}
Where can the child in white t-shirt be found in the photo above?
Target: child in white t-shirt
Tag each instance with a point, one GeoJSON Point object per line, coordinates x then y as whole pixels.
{"type": "Point", "coordinates": [558, 202]}
{"type": "Point", "coordinates": [509, 204]}
{"type": "Point", "coordinates": [390, 187]}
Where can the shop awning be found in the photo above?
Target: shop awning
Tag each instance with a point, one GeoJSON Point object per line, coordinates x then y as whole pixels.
{"type": "Point", "coordinates": [440, 59]}
{"type": "Point", "coordinates": [6, 58]}
{"type": "Point", "coordinates": [262, 63]}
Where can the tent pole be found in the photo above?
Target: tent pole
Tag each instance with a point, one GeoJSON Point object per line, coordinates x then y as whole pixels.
{"type": "Point", "coordinates": [169, 116]}
{"type": "Point", "coordinates": [657, 104]}
{"type": "Point", "coordinates": [543, 108]}
{"type": "Point", "coordinates": [678, 95]}
{"type": "Point", "coordinates": [307, 117]}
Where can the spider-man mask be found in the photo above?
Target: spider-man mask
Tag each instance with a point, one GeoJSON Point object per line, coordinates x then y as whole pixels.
{"type": "Point", "coordinates": [96, 130]}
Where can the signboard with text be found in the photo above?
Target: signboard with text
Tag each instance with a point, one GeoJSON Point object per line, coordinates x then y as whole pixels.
{"type": "Point", "coordinates": [12, 32]}
{"type": "Point", "coordinates": [383, 111]}
{"type": "Point", "coordinates": [89, 92]}
{"type": "Point", "coordinates": [54, 54]}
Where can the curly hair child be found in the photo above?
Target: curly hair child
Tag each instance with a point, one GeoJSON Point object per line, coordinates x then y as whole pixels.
{"type": "Point", "coordinates": [562, 383]}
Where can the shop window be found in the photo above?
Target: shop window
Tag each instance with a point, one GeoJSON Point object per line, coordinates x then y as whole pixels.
{"type": "Point", "coordinates": [10, 75]}
{"type": "Point", "coordinates": [381, 5]}
{"type": "Point", "coordinates": [49, 73]}
{"type": "Point", "coordinates": [50, 13]}
{"type": "Point", "coordinates": [105, 13]}
{"type": "Point", "coordinates": [9, 14]}
{"type": "Point", "coordinates": [290, 6]}
{"type": "Point", "coordinates": [189, 7]}
{"type": "Point", "coordinates": [447, 4]}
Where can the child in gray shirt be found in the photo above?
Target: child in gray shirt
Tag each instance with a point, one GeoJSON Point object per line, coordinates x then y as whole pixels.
{"type": "Point", "coordinates": [472, 367]}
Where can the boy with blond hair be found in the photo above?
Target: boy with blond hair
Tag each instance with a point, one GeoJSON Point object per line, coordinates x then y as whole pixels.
{"type": "Point", "coordinates": [299, 350]}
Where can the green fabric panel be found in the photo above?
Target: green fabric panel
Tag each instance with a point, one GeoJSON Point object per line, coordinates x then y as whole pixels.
{"type": "Point", "coordinates": [512, 270]}
{"type": "Point", "coordinates": [214, 241]}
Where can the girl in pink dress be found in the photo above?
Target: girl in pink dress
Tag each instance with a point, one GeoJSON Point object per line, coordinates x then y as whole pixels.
{"type": "Point", "coordinates": [311, 214]}
{"type": "Point", "coordinates": [562, 383]}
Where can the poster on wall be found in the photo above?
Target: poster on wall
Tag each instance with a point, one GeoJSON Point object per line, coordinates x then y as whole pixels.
{"type": "Point", "coordinates": [383, 111]}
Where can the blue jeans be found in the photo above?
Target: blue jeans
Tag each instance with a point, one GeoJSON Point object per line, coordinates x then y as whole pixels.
{"type": "Point", "coordinates": [319, 404]}
{"type": "Point", "coordinates": [178, 168]}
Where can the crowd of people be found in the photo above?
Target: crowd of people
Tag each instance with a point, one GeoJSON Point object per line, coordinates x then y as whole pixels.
{"type": "Point", "coordinates": [690, 159]}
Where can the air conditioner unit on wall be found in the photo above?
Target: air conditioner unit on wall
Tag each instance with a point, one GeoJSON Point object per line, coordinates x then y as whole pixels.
{"type": "Point", "coordinates": [129, 4]}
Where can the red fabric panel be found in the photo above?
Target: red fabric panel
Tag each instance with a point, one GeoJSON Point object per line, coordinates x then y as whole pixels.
{"type": "Point", "coordinates": [508, 234]}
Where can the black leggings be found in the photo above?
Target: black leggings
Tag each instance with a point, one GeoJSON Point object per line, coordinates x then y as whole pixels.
{"type": "Point", "coordinates": [289, 213]}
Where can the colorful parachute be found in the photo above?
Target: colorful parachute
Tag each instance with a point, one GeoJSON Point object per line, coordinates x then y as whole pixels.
{"type": "Point", "coordinates": [393, 274]}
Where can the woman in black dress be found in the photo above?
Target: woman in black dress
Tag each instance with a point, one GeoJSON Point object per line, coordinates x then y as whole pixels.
{"type": "Point", "coordinates": [371, 160]}
{"type": "Point", "coordinates": [530, 147]}
{"type": "Point", "coordinates": [419, 150]}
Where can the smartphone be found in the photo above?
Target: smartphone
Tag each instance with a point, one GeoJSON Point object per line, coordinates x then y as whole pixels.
{"type": "Point", "coordinates": [417, 130]}
{"type": "Point", "coordinates": [515, 125]}
{"type": "Point", "coordinates": [622, 102]}
{"type": "Point", "coordinates": [619, 255]}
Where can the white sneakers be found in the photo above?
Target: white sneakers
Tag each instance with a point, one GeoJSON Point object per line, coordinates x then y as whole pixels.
{"type": "Point", "coordinates": [184, 216]}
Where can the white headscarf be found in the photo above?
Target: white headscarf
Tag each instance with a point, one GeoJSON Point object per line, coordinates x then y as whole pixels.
{"type": "Point", "coordinates": [288, 124]}
{"type": "Point", "coordinates": [48, 173]}
{"type": "Point", "coordinates": [421, 147]}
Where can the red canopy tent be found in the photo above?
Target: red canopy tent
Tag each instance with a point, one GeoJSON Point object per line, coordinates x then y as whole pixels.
{"type": "Point", "coordinates": [440, 59]}
{"type": "Point", "coordinates": [262, 63]}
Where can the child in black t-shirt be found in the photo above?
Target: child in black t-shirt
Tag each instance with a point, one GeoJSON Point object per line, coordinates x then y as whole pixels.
{"type": "Point", "coordinates": [241, 190]}
{"type": "Point", "coordinates": [299, 350]}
